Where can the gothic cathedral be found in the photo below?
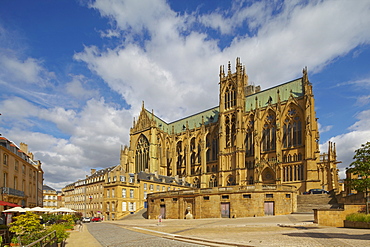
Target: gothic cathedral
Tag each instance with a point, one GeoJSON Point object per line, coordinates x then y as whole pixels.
{"type": "Point", "coordinates": [253, 136]}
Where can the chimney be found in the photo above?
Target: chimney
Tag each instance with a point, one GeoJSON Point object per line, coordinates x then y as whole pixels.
{"type": "Point", "coordinates": [24, 147]}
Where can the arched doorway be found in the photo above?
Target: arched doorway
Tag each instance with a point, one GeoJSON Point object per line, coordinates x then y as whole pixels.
{"type": "Point", "coordinates": [268, 176]}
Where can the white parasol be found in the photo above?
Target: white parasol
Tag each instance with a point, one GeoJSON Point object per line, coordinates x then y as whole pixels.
{"type": "Point", "coordinates": [15, 210]}
{"type": "Point", "coordinates": [40, 209]}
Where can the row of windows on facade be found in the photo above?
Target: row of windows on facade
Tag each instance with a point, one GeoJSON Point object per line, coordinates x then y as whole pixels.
{"type": "Point", "coordinates": [290, 173]}
{"type": "Point", "coordinates": [48, 197]}
{"type": "Point", "coordinates": [16, 166]}
{"type": "Point", "coordinates": [111, 193]}
{"type": "Point", "coordinates": [292, 137]}
{"type": "Point", "coordinates": [126, 206]}
{"type": "Point", "coordinates": [15, 183]}
{"type": "Point", "coordinates": [226, 197]}
{"type": "Point", "coordinates": [122, 179]}
{"type": "Point", "coordinates": [50, 204]}
{"type": "Point", "coordinates": [111, 207]}
{"type": "Point", "coordinates": [250, 164]}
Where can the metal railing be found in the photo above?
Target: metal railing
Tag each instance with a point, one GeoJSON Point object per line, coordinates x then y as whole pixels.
{"type": "Point", "coordinates": [11, 191]}
{"type": "Point", "coordinates": [49, 240]}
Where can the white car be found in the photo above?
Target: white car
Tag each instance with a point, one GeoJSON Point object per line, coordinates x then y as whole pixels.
{"type": "Point", "coordinates": [86, 220]}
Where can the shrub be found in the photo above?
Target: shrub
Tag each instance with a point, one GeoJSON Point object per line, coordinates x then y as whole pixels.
{"type": "Point", "coordinates": [61, 232]}
{"type": "Point", "coordinates": [361, 217]}
{"type": "Point", "coordinates": [26, 224]}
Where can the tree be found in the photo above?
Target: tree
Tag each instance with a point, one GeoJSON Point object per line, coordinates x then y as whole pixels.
{"type": "Point", "coordinates": [361, 168]}
{"type": "Point", "coordinates": [27, 227]}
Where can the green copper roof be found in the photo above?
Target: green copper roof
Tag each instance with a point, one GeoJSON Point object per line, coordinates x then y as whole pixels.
{"type": "Point", "coordinates": [210, 116]}
{"type": "Point", "coordinates": [271, 95]}
{"type": "Point", "coordinates": [193, 121]}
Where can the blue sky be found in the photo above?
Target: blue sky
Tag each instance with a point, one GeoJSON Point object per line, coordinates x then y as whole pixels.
{"type": "Point", "coordinates": [74, 73]}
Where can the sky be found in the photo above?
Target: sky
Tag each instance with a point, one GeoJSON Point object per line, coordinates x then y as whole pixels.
{"type": "Point", "coordinates": [74, 73]}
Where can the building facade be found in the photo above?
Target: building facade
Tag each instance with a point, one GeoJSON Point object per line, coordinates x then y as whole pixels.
{"type": "Point", "coordinates": [87, 195]}
{"type": "Point", "coordinates": [112, 193]}
{"type": "Point", "coordinates": [50, 197]}
{"type": "Point", "coordinates": [21, 176]}
{"type": "Point", "coordinates": [252, 137]}
{"type": "Point", "coordinates": [126, 193]}
{"type": "Point", "coordinates": [256, 144]}
{"type": "Point", "coordinates": [225, 202]}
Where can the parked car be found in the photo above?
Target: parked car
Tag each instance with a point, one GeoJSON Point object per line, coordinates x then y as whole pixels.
{"type": "Point", "coordinates": [86, 220]}
{"type": "Point", "coordinates": [318, 191]}
{"type": "Point", "coordinates": [96, 219]}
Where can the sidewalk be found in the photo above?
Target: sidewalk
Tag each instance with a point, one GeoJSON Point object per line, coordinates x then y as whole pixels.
{"type": "Point", "coordinates": [285, 230]}
{"type": "Point", "coordinates": [82, 237]}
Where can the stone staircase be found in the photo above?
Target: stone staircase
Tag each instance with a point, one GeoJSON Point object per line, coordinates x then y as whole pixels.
{"type": "Point", "coordinates": [306, 203]}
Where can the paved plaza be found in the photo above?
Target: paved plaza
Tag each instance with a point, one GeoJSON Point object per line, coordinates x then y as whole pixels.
{"type": "Point", "coordinates": [287, 230]}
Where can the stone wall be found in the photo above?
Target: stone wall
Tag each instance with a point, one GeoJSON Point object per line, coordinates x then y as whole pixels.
{"type": "Point", "coordinates": [220, 202]}
{"type": "Point", "coordinates": [335, 217]}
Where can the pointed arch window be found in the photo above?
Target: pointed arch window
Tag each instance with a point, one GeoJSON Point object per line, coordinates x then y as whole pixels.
{"type": "Point", "coordinates": [230, 130]}
{"type": "Point", "coordinates": [208, 148]}
{"type": "Point", "coordinates": [213, 181]}
{"type": "Point", "coordinates": [168, 161]}
{"type": "Point", "coordinates": [142, 154]}
{"type": "Point", "coordinates": [269, 133]}
{"type": "Point", "coordinates": [230, 97]}
{"type": "Point", "coordinates": [181, 161]}
{"type": "Point", "coordinates": [292, 130]}
{"type": "Point", "coordinates": [249, 139]}
{"type": "Point", "coordinates": [214, 145]}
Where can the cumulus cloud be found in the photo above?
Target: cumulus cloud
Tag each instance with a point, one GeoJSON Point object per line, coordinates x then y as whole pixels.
{"type": "Point", "coordinates": [188, 61]}
{"type": "Point", "coordinates": [76, 88]}
{"type": "Point", "coordinates": [171, 61]}
{"type": "Point", "coordinates": [29, 70]}
{"type": "Point", "coordinates": [95, 136]}
{"type": "Point", "coordinates": [347, 143]}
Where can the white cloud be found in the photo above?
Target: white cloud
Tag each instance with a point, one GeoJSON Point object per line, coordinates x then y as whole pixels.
{"type": "Point", "coordinates": [173, 66]}
{"type": "Point", "coordinates": [29, 70]}
{"type": "Point", "coordinates": [347, 143]}
{"type": "Point", "coordinates": [323, 129]}
{"type": "Point", "coordinates": [363, 100]}
{"type": "Point", "coordinates": [96, 134]}
{"type": "Point", "coordinates": [76, 88]}
{"type": "Point", "coordinates": [183, 66]}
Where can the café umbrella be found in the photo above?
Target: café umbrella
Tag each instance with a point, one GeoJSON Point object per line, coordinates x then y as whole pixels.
{"type": "Point", "coordinates": [39, 209]}
{"type": "Point", "coordinates": [15, 210]}
{"type": "Point", "coordinates": [62, 210]}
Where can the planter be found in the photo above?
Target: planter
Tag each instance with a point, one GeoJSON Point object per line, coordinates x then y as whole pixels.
{"type": "Point", "coordinates": [356, 224]}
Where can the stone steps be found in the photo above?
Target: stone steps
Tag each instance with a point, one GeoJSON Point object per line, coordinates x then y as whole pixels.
{"type": "Point", "coordinates": [306, 203]}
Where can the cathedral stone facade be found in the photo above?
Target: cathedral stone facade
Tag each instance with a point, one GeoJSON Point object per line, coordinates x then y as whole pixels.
{"type": "Point", "coordinates": [253, 137]}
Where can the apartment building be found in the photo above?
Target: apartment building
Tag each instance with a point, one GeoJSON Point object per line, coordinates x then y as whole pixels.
{"type": "Point", "coordinates": [111, 193]}
{"type": "Point", "coordinates": [50, 197]}
{"type": "Point", "coordinates": [21, 176]}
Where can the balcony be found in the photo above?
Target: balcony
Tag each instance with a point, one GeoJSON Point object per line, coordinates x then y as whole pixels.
{"type": "Point", "coordinates": [12, 192]}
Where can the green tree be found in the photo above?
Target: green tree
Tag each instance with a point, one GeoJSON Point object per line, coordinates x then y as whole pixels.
{"type": "Point", "coordinates": [361, 168]}
{"type": "Point", "coordinates": [26, 224]}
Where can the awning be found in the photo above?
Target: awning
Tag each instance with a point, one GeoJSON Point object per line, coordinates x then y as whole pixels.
{"type": "Point", "coordinates": [2, 203]}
